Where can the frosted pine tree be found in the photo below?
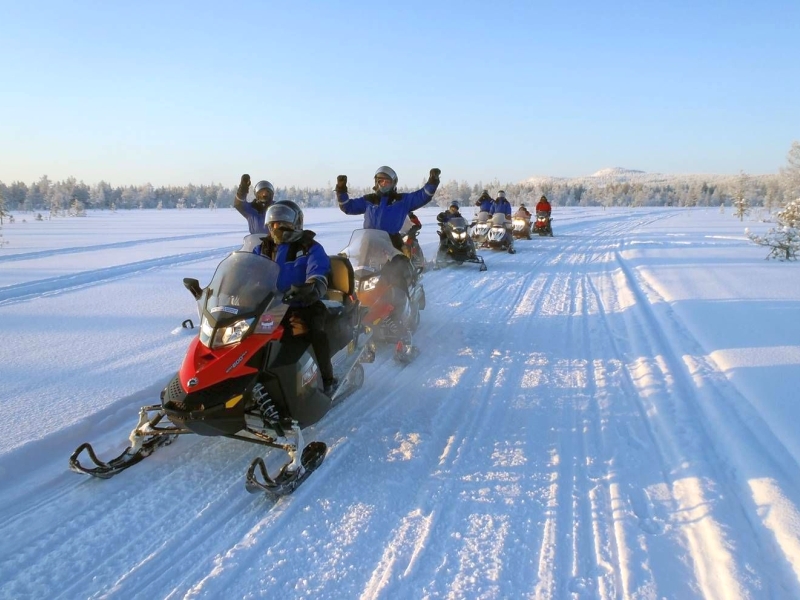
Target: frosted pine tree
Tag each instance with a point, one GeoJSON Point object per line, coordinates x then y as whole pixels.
{"type": "Point", "coordinates": [740, 204]}
{"type": "Point", "coordinates": [791, 173]}
{"type": "Point", "coordinates": [784, 240]}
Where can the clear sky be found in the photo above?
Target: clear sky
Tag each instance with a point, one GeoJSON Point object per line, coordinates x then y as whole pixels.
{"type": "Point", "coordinates": [298, 92]}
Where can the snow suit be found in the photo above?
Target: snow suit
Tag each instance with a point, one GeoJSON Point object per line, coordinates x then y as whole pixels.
{"type": "Point", "coordinates": [386, 211]}
{"type": "Point", "coordinates": [303, 261]}
{"type": "Point", "coordinates": [250, 211]}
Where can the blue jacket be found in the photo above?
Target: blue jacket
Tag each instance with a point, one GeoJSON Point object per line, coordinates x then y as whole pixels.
{"type": "Point", "coordinates": [501, 205]}
{"type": "Point", "coordinates": [485, 205]}
{"type": "Point", "coordinates": [255, 219]}
{"type": "Point", "coordinates": [300, 261]}
{"type": "Point", "coordinates": [386, 211]}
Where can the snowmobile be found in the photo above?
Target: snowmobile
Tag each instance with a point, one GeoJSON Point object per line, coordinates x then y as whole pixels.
{"type": "Point", "coordinates": [480, 229]}
{"type": "Point", "coordinates": [390, 287]}
{"type": "Point", "coordinates": [543, 225]}
{"type": "Point", "coordinates": [500, 237]}
{"type": "Point", "coordinates": [457, 246]}
{"type": "Point", "coordinates": [240, 380]}
{"type": "Point", "coordinates": [521, 228]}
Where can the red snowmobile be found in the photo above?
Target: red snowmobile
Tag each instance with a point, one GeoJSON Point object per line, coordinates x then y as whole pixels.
{"type": "Point", "coordinates": [390, 287]}
{"type": "Point", "coordinates": [542, 225]}
{"type": "Point", "coordinates": [240, 380]}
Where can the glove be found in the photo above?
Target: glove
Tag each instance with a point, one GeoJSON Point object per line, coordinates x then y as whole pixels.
{"type": "Point", "coordinates": [434, 177]}
{"type": "Point", "coordinates": [244, 186]}
{"type": "Point", "coordinates": [341, 184]}
{"type": "Point", "coordinates": [305, 294]}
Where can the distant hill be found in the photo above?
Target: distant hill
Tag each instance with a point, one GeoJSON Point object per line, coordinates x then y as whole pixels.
{"type": "Point", "coordinates": [616, 172]}
{"type": "Point", "coordinates": [611, 175]}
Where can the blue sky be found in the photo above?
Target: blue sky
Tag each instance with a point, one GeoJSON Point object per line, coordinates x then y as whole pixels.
{"type": "Point", "coordinates": [298, 92]}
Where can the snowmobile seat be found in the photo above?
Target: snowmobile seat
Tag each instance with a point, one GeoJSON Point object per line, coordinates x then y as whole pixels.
{"type": "Point", "coordinates": [341, 284]}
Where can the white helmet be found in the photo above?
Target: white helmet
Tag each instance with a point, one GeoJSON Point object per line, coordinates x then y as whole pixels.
{"type": "Point", "coordinates": [389, 173]}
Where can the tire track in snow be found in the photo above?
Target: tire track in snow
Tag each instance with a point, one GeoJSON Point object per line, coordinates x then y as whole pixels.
{"type": "Point", "coordinates": [55, 253]}
{"type": "Point", "coordinates": [707, 422]}
{"type": "Point", "coordinates": [13, 294]}
{"type": "Point", "coordinates": [578, 500]}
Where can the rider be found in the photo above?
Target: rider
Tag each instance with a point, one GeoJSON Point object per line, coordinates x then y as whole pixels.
{"type": "Point", "coordinates": [443, 217]}
{"type": "Point", "coordinates": [522, 213]}
{"type": "Point", "coordinates": [450, 213]}
{"type": "Point", "coordinates": [254, 211]}
{"type": "Point", "coordinates": [501, 204]}
{"type": "Point", "coordinates": [414, 225]}
{"type": "Point", "coordinates": [303, 278]}
{"type": "Point", "coordinates": [386, 208]}
{"type": "Point", "coordinates": [485, 202]}
{"type": "Point", "coordinates": [409, 231]}
{"type": "Point", "coordinates": [544, 205]}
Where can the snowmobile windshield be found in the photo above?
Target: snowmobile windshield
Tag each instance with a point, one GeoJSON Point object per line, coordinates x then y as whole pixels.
{"type": "Point", "coordinates": [483, 217]}
{"type": "Point", "coordinates": [458, 224]}
{"type": "Point", "coordinates": [242, 284]}
{"type": "Point", "coordinates": [369, 250]}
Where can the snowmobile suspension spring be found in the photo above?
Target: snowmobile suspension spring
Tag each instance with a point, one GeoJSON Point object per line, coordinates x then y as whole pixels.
{"type": "Point", "coordinates": [265, 405]}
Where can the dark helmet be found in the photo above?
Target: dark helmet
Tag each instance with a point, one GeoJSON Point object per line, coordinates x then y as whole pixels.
{"type": "Point", "coordinates": [522, 206]}
{"type": "Point", "coordinates": [267, 192]}
{"type": "Point", "coordinates": [454, 203]}
{"type": "Point", "coordinates": [388, 173]}
{"type": "Point", "coordinates": [543, 198]}
{"type": "Point", "coordinates": [501, 194]}
{"type": "Point", "coordinates": [284, 221]}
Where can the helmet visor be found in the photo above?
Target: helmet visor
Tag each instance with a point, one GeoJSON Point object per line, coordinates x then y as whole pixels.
{"type": "Point", "coordinates": [281, 212]}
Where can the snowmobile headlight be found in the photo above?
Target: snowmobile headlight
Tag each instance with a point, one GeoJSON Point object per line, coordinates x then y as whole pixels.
{"type": "Point", "coordinates": [460, 235]}
{"type": "Point", "coordinates": [224, 336]}
{"type": "Point", "coordinates": [369, 284]}
{"type": "Point", "coordinates": [519, 223]}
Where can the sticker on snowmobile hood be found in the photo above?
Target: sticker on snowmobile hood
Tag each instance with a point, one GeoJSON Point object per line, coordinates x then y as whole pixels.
{"type": "Point", "coordinates": [227, 309]}
{"type": "Point", "coordinates": [266, 324]}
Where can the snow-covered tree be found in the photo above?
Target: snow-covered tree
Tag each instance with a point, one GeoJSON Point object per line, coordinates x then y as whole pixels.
{"type": "Point", "coordinates": [76, 209]}
{"type": "Point", "coordinates": [740, 204]}
{"type": "Point", "coordinates": [791, 173]}
{"type": "Point", "coordinates": [784, 240]}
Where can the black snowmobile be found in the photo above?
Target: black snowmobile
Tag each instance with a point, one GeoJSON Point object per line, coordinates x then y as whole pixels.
{"type": "Point", "coordinates": [457, 245]}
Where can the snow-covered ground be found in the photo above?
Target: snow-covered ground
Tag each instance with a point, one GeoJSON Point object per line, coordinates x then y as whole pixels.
{"type": "Point", "coordinates": [609, 413]}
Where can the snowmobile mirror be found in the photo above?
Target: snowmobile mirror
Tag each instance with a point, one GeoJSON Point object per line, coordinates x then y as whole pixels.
{"type": "Point", "coordinates": [193, 286]}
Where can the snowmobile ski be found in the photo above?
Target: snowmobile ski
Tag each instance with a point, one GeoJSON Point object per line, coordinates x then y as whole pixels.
{"type": "Point", "coordinates": [287, 480]}
{"type": "Point", "coordinates": [106, 470]}
{"type": "Point", "coordinates": [145, 438]}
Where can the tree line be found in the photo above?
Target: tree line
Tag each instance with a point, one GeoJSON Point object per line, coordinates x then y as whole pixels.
{"type": "Point", "coordinates": [640, 189]}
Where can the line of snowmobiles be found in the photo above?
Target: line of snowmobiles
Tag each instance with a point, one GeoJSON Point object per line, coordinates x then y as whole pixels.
{"type": "Point", "coordinates": [239, 379]}
{"type": "Point", "coordinates": [492, 231]}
